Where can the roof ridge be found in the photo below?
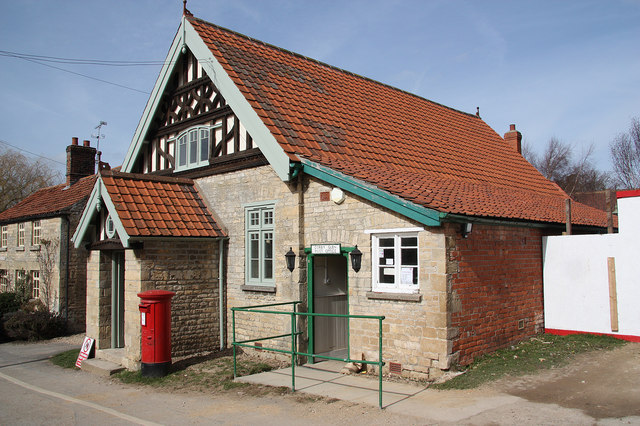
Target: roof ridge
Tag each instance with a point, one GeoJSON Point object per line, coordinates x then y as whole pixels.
{"type": "Point", "coordinates": [342, 70]}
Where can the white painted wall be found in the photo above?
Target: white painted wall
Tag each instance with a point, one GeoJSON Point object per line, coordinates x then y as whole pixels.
{"type": "Point", "coordinates": [576, 284]}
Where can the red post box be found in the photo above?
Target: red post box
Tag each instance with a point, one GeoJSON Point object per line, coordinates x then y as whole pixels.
{"type": "Point", "coordinates": [155, 321]}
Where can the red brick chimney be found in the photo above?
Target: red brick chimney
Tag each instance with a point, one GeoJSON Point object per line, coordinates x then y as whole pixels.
{"type": "Point", "coordinates": [81, 161]}
{"type": "Point", "coordinates": [513, 138]}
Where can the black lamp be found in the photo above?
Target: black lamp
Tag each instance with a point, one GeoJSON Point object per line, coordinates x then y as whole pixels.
{"type": "Point", "coordinates": [291, 259]}
{"type": "Point", "coordinates": [356, 259]}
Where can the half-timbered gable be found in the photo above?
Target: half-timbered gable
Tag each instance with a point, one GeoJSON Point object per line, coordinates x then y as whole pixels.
{"type": "Point", "coordinates": [194, 129]}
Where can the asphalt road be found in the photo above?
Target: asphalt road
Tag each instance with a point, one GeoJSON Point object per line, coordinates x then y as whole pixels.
{"type": "Point", "coordinates": [34, 391]}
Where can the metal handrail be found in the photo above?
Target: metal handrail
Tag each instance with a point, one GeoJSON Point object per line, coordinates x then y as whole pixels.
{"type": "Point", "coordinates": [294, 334]}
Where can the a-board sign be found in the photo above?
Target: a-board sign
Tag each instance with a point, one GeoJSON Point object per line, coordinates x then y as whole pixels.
{"type": "Point", "coordinates": [325, 248]}
{"type": "Point", "coordinates": [85, 350]}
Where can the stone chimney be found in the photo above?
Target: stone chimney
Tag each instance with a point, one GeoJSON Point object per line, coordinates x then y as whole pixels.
{"type": "Point", "coordinates": [513, 138]}
{"type": "Point", "coordinates": [81, 161]}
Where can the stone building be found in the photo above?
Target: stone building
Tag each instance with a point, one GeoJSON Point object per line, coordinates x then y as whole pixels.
{"type": "Point", "coordinates": [281, 154]}
{"type": "Point", "coordinates": [35, 234]}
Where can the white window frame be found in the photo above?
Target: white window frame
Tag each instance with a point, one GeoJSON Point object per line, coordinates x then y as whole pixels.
{"type": "Point", "coordinates": [20, 235]}
{"type": "Point", "coordinates": [35, 284]}
{"type": "Point", "coordinates": [392, 265]}
{"type": "Point", "coordinates": [260, 227]}
{"type": "Point", "coordinates": [196, 138]}
{"type": "Point", "coordinates": [36, 228]}
{"type": "Point", "coordinates": [4, 239]}
{"type": "Point", "coordinates": [21, 275]}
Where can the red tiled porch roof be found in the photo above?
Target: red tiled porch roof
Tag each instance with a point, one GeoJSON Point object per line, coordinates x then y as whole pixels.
{"type": "Point", "coordinates": [435, 156]}
{"type": "Point", "coordinates": [49, 202]}
{"type": "Point", "coordinates": [150, 206]}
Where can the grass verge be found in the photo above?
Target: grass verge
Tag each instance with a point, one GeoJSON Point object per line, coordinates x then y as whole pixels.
{"type": "Point", "coordinates": [66, 359]}
{"type": "Point", "coordinates": [542, 352]}
{"type": "Point", "coordinates": [215, 374]}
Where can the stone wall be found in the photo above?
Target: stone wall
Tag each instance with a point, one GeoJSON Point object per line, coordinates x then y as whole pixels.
{"type": "Point", "coordinates": [415, 332]}
{"type": "Point", "coordinates": [495, 277]}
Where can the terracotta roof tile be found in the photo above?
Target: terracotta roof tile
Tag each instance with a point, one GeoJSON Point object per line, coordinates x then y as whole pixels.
{"type": "Point", "coordinates": [422, 151]}
{"type": "Point", "coordinates": [187, 215]}
{"type": "Point", "coordinates": [49, 202]}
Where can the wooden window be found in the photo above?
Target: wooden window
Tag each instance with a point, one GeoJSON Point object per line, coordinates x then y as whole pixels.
{"type": "Point", "coordinates": [4, 239]}
{"type": "Point", "coordinates": [192, 148]}
{"type": "Point", "coordinates": [260, 231]}
{"type": "Point", "coordinates": [21, 278]}
{"type": "Point", "coordinates": [20, 240]}
{"type": "Point", "coordinates": [4, 280]}
{"type": "Point", "coordinates": [35, 232]}
{"type": "Point", "coordinates": [35, 284]}
{"type": "Point", "coordinates": [395, 262]}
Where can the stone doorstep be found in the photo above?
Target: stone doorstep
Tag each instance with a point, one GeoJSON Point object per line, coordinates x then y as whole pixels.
{"type": "Point", "coordinates": [101, 367]}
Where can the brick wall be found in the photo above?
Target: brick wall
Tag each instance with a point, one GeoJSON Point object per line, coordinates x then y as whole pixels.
{"type": "Point", "coordinates": [495, 280]}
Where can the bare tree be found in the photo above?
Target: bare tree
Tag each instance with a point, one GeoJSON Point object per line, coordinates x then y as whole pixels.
{"type": "Point", "coordinates": [47, 259]}
{"type": "Point", "coordinates": [558, 164]}
{"type": "Point", "coordinates": [20, 177]}
{"type": "Point", "coordinates": [625, 156]}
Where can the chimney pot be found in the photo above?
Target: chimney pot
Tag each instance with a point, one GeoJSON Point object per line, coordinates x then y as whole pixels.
{"type": "Point", "coordinates": [86, 143]}
{"type": "Point", "coordinates": [74, 141]}
{"type": "Point", "coordinates": [512, 127]}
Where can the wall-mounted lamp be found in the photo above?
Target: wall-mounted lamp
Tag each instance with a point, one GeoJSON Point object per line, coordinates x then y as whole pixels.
{"type": "Point", "coordinates": [356, 259]}
{"type": "Point", "coordinates": [465, 229]}
{"type": "Point", "coordinates": [291, 259]}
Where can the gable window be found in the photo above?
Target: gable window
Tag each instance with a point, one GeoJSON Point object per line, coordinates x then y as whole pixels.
{"type": "Point", "coordinates": [35, 233]}
{"type": "Point", "coordinates": [20, 240]}
{"type": "Point", "coordinates": [395, 262]}
{"type": "Point", "coordinates": [4, 238]}
{"type": "Point", "coordinates": [35, 284]}
{"type": "Point", "coordinates": [192, 148]}
{"type": "Point", "coordinates": [260, 230]}
{"type": "Point", "coordinates": [4, 280]}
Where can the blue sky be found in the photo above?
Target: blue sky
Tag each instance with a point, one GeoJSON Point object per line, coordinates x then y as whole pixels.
{"type": "Point", "coordinates": [565, 69]}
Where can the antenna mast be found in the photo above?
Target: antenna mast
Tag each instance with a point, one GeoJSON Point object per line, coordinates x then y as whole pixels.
{"type": "Point", "coordinates": [99, 136]}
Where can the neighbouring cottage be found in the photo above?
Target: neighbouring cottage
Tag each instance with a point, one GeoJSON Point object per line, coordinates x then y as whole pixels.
{"type": "Point", "coordinates": [246, 150]}
{"type": "Point", "coordinates": [35, 248]}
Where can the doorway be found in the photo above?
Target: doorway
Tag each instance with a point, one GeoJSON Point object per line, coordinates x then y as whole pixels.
{"type": "Point", "coordinates": [117, 299]}
{"type": "Point", "coordinates": [329, 295]}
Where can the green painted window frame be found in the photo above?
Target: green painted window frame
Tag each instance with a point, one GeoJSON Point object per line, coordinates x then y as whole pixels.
{"type": "Point", "coordinates": [393, 256]}
{"type": "Point", "coordinates": [196, 142]}
{"type": "Point", "coordinates": [260, 245]}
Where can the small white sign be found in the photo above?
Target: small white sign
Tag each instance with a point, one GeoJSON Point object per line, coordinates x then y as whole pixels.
{"type": "Point", "coordinates": [407, 276]}
{"type": "Point", "coordinates": [143, 318]}
{"type": "Point", "coordinates": [325, 248]}
{"type": "Point", "coordinates": [389, 271]}
{"type": "Point", "coordinates": [84, 351]}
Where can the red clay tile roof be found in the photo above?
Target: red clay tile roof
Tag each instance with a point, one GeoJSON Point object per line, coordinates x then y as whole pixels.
{"type": "Point", "coordinates": [151, 206]}
{"type": "Point", "coordinates": [422, 151]}
{"type": "Point", "coordinates": [49, 202]}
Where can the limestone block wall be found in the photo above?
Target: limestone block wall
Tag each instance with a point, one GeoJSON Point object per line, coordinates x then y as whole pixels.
{"type": "Point", "coordinates": [414, 332]}
{"type": "Point", "coordinates": [190, 269]}
{"type": "Point", "coordinates": [98, 317]}
{"type": "Point", "coordinates": [227, 195]}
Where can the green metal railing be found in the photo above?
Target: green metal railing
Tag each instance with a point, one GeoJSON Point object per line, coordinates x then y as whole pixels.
{"type": "Point", "coordinates": [293, 352]}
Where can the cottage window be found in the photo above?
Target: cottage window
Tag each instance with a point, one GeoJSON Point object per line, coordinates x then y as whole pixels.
{"type": "Point", "coordinates": [192, 148]}
{"type": "Point", "coordinates": [21, 278]}
{"type": "Point", "coordinates": [20, 241]}
{"type": "Point", "coordinates": [260, 232]}
{"type": "Point", "coordinates": [35, 284]}
{"type": "Point", "coordinates": [4, 280]}
{"type": "Point", "coordinates": [395, 262]}
{"type": "Point", "coordinates": [35, 233]}
{"type": "Point", "coordinates": [4, 239]}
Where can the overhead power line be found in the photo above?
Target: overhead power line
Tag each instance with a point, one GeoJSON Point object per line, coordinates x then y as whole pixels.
{"type": "Point", "coordinates": [76, 61]}
{"type": "Point", "coordinates": [29, 152]}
